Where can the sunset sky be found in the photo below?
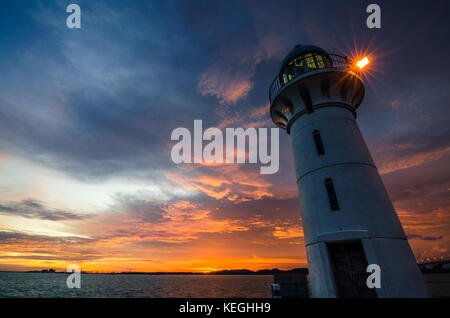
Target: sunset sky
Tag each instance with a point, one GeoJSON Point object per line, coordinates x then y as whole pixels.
{"type": "Point", "coordinates": [86, 117]}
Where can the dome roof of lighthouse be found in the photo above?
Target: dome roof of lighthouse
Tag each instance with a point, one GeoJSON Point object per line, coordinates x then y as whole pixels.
{"type": "Point", "coordinates": [300, 50]}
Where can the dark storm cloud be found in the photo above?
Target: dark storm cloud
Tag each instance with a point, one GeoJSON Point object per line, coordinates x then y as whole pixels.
{"type": "Point", "coordinates": [110, 94]}
{"type": "Point", "coordinates": [34, 209]}
{"type": "Point", "coordinates": [421, 189]}
{"type": "Point", "coordinates": [15, 236]}
{"type": "Point", "coordinates": [406, 145]}
{"type": "Point", "coordinates": [107, 95]}
{"type": "Point", "coordinates": [135, 206]}
{"type": "Point", "coordinates": [102, 102]}
{"type": "Point", "coordinates": [56, 257]}
{"type": "Point", "coordinates": [425, 238]}
{"type": "Point", "coordinates": [270, 208]}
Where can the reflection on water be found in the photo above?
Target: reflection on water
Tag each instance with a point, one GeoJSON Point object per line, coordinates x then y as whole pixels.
{"type": "Point", "coordinates": [103, 285]}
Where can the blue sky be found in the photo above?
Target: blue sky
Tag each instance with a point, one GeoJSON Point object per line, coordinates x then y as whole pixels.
{"type": "Point", "coordinates": [86, 117]}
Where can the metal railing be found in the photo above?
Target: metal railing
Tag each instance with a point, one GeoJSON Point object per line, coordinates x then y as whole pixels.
{"type": "Point", "coordinates": [296, 289]}
{"type": "Point", "coordinates": [332, 61]}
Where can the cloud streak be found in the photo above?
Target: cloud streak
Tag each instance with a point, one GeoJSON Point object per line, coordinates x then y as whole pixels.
{"type": "Point", "coordinates": [34, 209]}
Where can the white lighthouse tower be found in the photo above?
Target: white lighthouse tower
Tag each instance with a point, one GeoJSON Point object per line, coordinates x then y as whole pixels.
{"type": "Point", "coordinates": [348, 218]}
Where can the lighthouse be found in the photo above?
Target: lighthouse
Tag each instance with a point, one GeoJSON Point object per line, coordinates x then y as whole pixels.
{"type": "Point", "coordinates": [349, 221]}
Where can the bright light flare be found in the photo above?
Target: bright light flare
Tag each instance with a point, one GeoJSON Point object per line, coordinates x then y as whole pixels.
{"type": "Point", "coordinates": [363, 62]}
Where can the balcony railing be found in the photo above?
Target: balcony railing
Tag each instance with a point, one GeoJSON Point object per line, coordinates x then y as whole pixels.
{"type": "Point", "coordinates": [330, 61]}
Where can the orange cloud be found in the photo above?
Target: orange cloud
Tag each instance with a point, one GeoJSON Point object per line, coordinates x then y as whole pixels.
{"type": "Point", "coordinates": [228, 89]}
{"type": "Point", "coordinates": [391, 165]}
{"type": "Point", "coordinates": [225, 182]}
{"type": "Point", "coordinates": [292, 231]}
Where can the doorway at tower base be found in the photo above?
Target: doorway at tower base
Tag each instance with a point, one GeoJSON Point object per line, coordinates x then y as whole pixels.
{"type": "Point", "coordinates": [338, 264]}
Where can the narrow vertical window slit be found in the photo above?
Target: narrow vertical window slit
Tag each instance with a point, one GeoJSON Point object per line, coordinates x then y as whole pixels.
{"type": "Point", "coordinates": [319, 144]}
{"type": "Point", "coordinates": [332, 197]}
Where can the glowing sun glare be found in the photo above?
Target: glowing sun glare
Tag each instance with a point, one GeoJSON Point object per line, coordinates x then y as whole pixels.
{"type": "Point", "coordinates": [363, 62]}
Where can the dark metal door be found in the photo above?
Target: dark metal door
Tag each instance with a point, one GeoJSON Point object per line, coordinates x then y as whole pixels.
{"type": "Point", "coordinates": [349, 265]}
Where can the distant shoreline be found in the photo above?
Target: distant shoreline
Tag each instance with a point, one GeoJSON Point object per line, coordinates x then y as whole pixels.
{"type": "Point", "coordinates": [223, 272]}
{"type": "Point", "coordinates": [441, 266]}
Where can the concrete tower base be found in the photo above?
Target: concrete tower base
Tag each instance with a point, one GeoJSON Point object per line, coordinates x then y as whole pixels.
{"type": "Point", "coordinates": [349, 221]}
{"type": "Point", "coordinates": [365, 214]}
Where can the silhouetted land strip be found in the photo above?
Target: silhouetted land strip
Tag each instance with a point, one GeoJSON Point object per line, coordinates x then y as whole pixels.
{"type": "Point", "coordinates": [440, 266]}
{"type": "Point", "coordinates": [222, 272]}
{"type": "Point", "coordinates": [227, 272]}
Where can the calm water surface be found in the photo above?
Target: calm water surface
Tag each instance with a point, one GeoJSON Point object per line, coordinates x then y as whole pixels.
{"type": "Point", "coordinates": [103, 285]}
